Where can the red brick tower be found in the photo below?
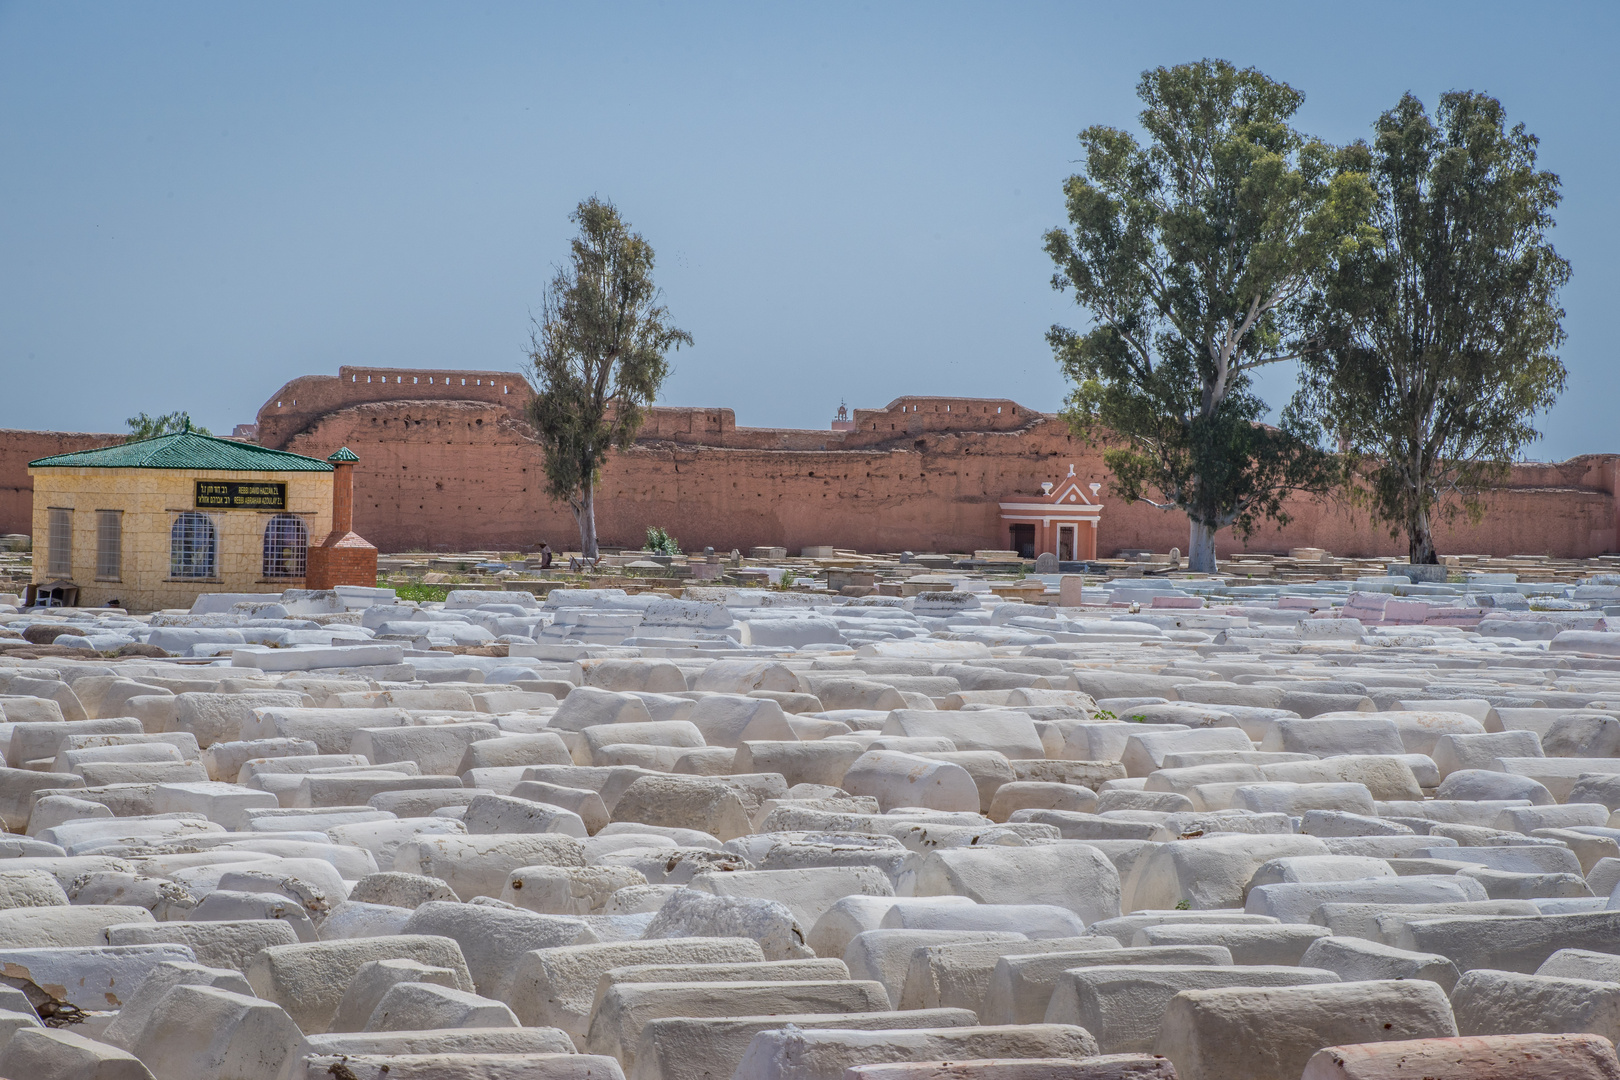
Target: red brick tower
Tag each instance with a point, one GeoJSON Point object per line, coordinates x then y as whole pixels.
{"type": "Point", "coordinates": [342, 558]}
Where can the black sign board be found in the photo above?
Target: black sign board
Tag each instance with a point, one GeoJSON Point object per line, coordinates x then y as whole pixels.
{"type": "Point", "coordinates": [240, 495]}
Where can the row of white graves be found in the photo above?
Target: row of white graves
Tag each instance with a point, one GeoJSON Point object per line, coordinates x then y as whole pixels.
{"type": "Point", "coordinates": [1180, 830]}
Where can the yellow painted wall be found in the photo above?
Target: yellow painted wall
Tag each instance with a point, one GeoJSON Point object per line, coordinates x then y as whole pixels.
{"type": "Point", "coordinates": [150, 500]}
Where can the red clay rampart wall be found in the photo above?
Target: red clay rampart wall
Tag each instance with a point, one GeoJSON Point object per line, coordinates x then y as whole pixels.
{"type": "Point", "coordinates": [450, 467]}
{"type": "Point", "coordinates": [922, 473]}
{"type": "Point", "coordinates": [17, 449]}
{"type": "Point", "coordinates": [300, 402]}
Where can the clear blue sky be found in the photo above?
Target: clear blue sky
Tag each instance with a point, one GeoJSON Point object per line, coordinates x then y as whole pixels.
{"type": "Point", "coordinates": [200, 201]}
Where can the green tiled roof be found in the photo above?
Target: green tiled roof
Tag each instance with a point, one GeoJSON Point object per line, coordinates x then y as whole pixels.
{"type": "Point", "coordinates": [185, 450]}
{"type": "Point", "coordinates": [343, 455]}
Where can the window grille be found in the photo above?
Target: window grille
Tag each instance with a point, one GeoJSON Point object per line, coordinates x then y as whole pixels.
{"type": "Point", "coordinates": [193, 546]}
{"type": "Point", "coordinates": [286, 545]}
{"type": "Point", "coordinates": [59, 563]}
{"type": "Point", "coordinates": [109, 545]}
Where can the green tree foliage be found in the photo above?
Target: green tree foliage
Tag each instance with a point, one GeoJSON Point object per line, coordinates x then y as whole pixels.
{"type": "Point", "coordinates": [599, 356]}
{"type": "Point", "coordinates": [659, 541]}
{"type": "Point", "coordinates": [1192, 255]}
{"type": "Point", "coordinates": [142, 426]}
{"type": "Point", "coordinates": [1438, 342]}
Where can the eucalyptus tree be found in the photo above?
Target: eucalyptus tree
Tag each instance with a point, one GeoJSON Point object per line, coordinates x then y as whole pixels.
{"type": "Point", "coordinates": [599, 352]}
{"type": "Point", "coordinates": [1439, 343]}
{"type": "Point", "coordinates": [1192, 253]}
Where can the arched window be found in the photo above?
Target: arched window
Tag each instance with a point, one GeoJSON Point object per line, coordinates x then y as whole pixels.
{"type": "Point", "coordinates": [286, 545]}
{"type": "Point", "coordinates": [193, 546]}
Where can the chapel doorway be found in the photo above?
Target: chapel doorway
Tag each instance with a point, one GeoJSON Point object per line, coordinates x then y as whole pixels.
{"type": "Point", "coordinates": [1023, 540]}
{"type": "Point", "coordinates": [1065, 545]}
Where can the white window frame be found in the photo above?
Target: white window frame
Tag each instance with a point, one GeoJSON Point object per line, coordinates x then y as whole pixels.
{"type": "Point", "coordinates": [178, 560]}
{"type": "Point", "coordinates": [299, 566]}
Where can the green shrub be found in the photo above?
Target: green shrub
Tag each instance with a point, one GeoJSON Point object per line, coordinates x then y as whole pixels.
{"type": "Point", "coordinates": [659, 541]}
{"type": "Point", "coordinates": [418, 592]}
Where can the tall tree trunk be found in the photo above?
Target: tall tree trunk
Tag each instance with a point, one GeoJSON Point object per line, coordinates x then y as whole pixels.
{"type": "Point", "coordinates": [1200, 546]}
{"type": "Point", "coordinates": [587, 519]}
{"type": "Point", "coordinates": [1420, 539]}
